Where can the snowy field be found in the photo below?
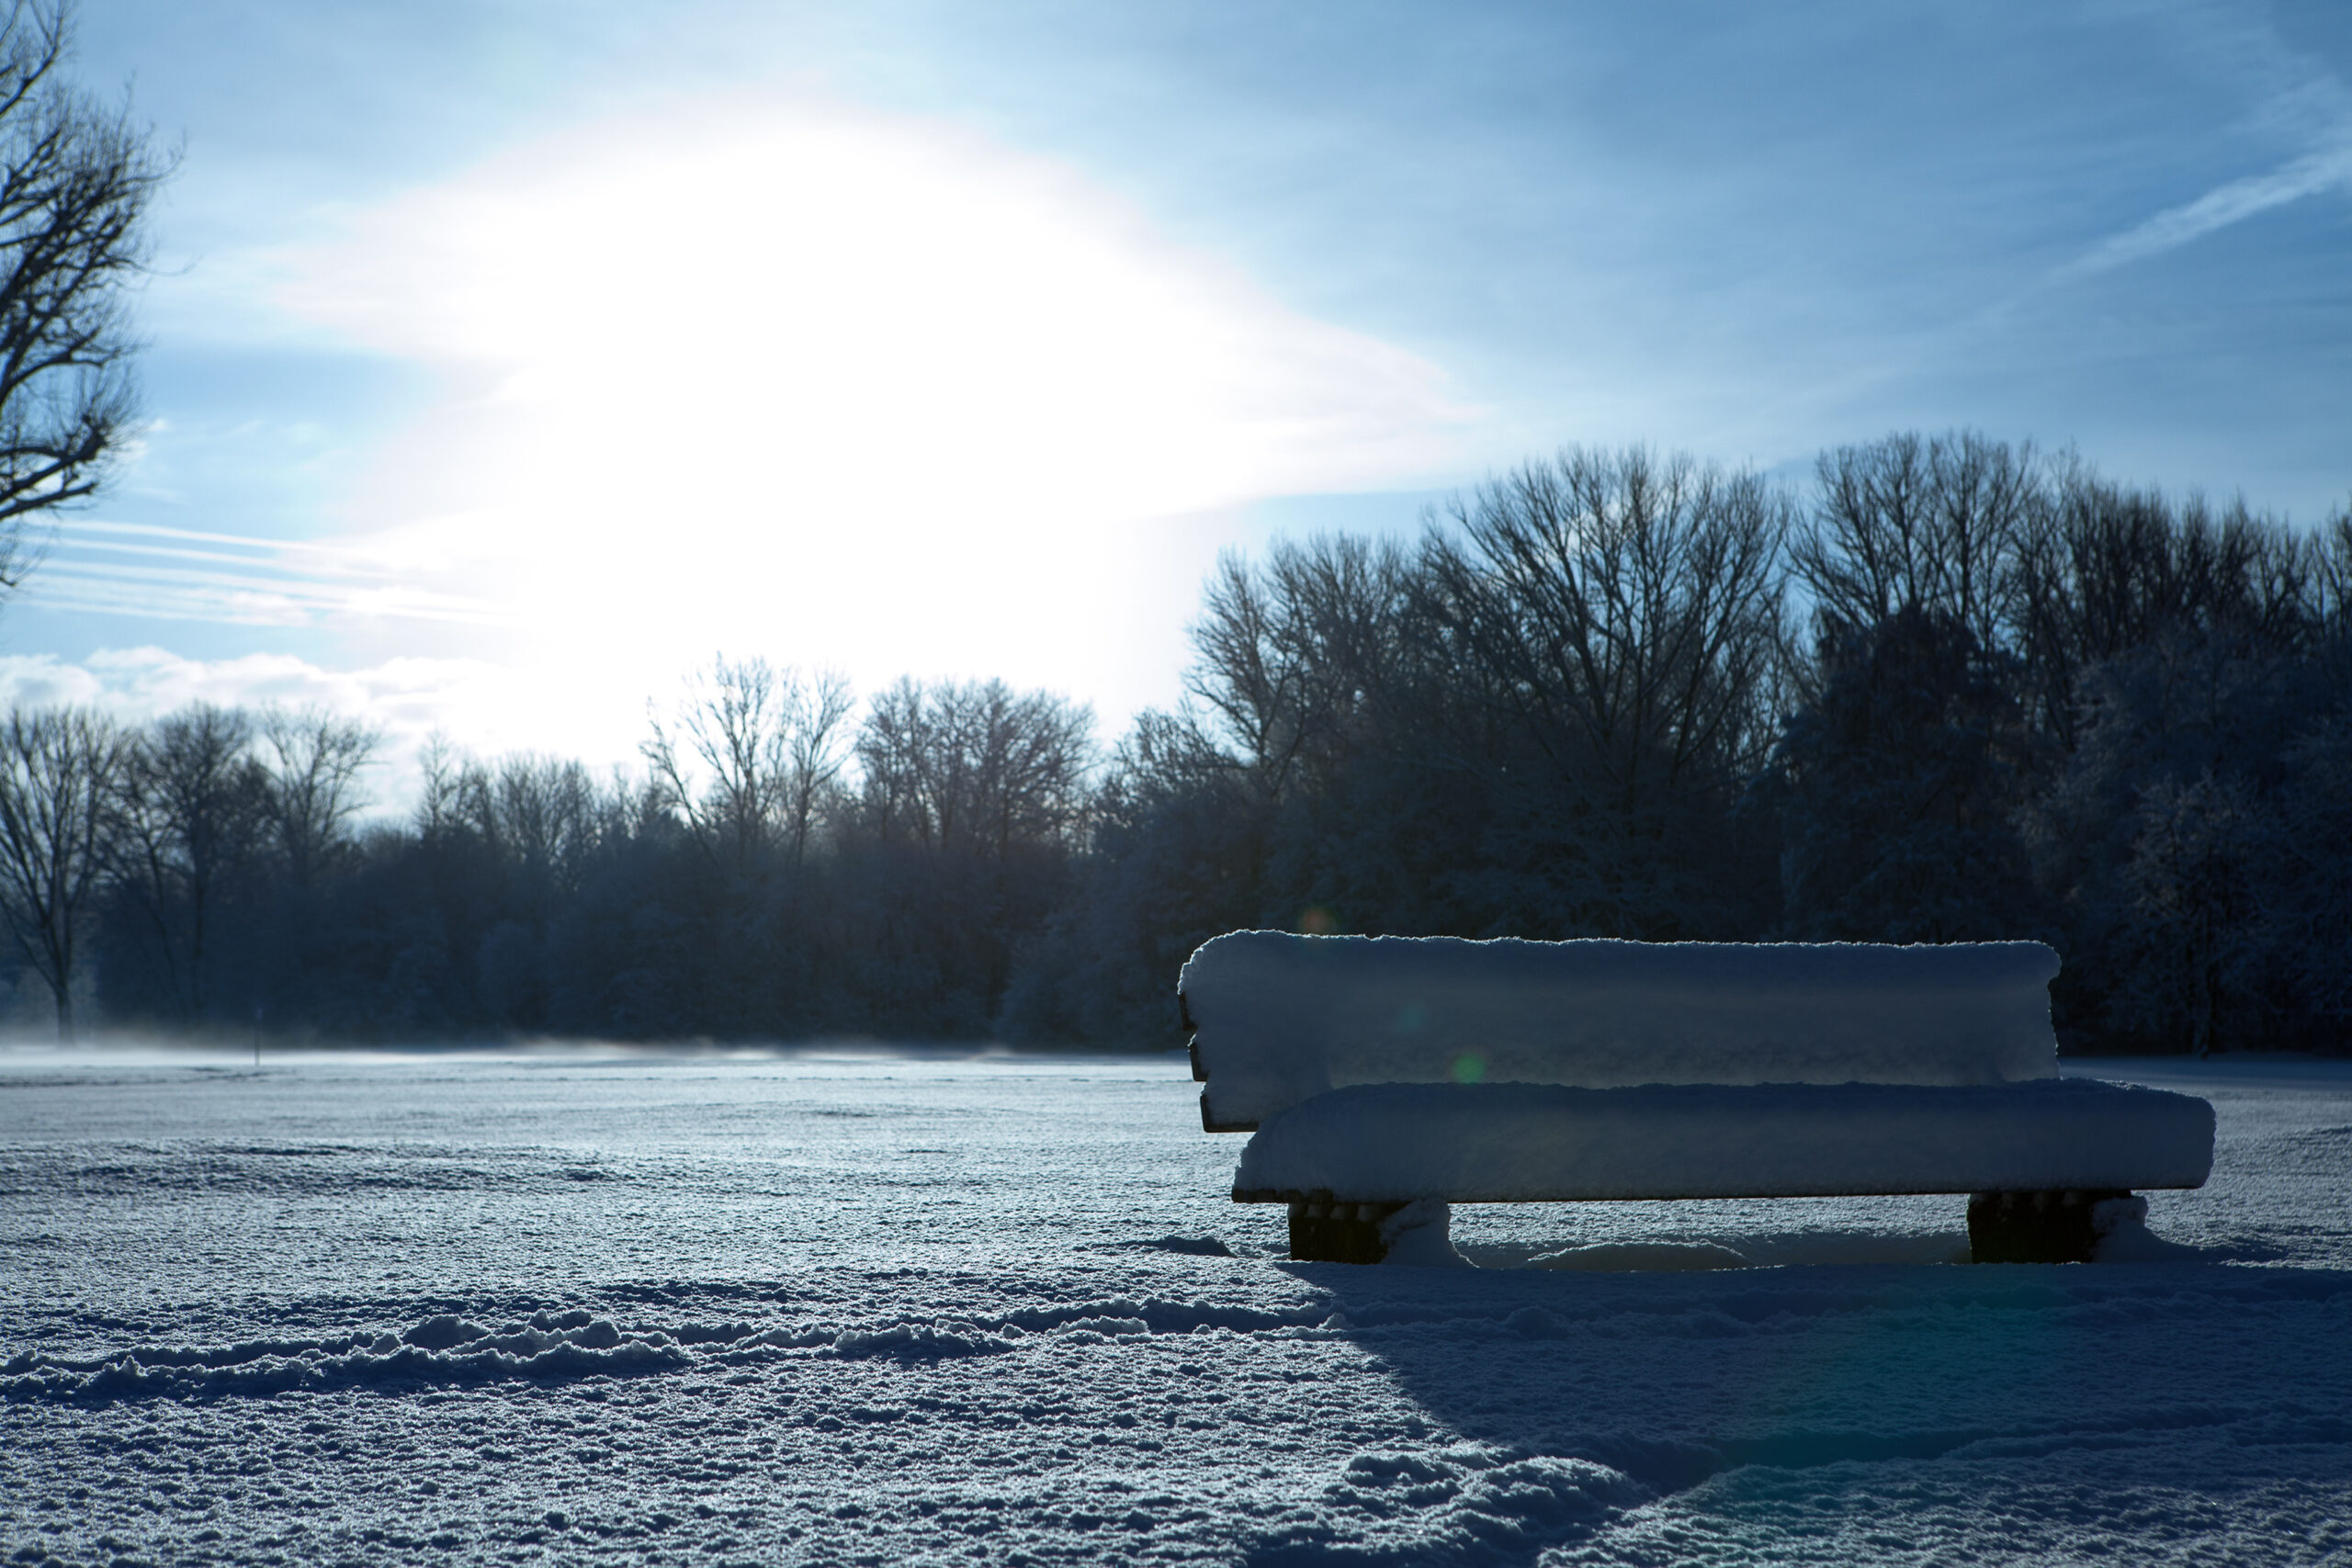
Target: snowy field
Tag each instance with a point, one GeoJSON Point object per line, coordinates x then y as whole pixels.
{"type": "Point", "coordinates": [822, 1308]}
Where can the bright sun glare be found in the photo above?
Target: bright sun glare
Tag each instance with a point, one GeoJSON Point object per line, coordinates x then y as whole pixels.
{"type": "Point", "coordinates": [788, 378]}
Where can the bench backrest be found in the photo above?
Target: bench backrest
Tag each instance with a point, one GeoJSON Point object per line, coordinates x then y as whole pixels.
{"type": "Point", "coordinates": [1278, 1019]}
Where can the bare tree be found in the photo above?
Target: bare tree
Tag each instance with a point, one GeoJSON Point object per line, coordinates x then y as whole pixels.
{"type": "Point", "coordinates": [76, 178]}
{"type": "Point", "coordinates": [1609, 626]}
{"type": "Point", "coordinates": [442, 775]}
{"type": "Point", "coordinates": [2332, 573]}
{"type": "Point", "coordinates": [538, 815]}
{"type": "Point", "coordinates": [975, 767]}
{"type": "Point", "coordinates": [191, 808]}
{"type": "Point", "coordinates": [1935, 522]}
{"type": "Point", "coordinates": [2107, 569]}
{"type": "Point", "coordinates": [1292, 657]}
{"type": "Point", "coordinates": [312, 759]}
{"type": "Point", "coordinates": [895, 746]}
{"type": "Point", "coordinates": [754, 749]}
{"type": "Point", "coordinates": [59, 770]}
{"type": "Point", "coordinates": [1627, 608]}
{"type": "Point", "coordinates": [815, 752]}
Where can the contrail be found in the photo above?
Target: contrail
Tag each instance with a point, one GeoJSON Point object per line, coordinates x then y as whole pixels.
{"type": "Point", "coordinates": [170, 573]}
{"type": "Point", "coordinates": [2330, 168]}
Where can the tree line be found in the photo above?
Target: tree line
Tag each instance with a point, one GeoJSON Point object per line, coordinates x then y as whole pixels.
{"type": "Point", "coordinates": [772, 870]}
{"type": "Point", "coordinates": [1951, 690]}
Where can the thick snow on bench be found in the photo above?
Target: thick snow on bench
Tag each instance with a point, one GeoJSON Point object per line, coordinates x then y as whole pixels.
{"type": "Point", "coordinates": [1278, 1019]}
{"type": "Point", "coordinates": [1522, 1143]}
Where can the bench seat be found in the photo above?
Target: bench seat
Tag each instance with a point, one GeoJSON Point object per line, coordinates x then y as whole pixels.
{"type": "Point", "coordinates": [1386, 1077]}
{"type": "Point", "coordinates": [1505, 1143]}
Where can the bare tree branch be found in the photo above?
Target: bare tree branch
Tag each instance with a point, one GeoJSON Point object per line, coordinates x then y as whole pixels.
{"type": "Point", "coordinates": [59, 770]}
{"type": "Point", "coordinates": [76, 180]}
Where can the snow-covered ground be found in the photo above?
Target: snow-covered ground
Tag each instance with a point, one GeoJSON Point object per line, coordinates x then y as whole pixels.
{"type": "Point", "coordinates": [831, 1307]}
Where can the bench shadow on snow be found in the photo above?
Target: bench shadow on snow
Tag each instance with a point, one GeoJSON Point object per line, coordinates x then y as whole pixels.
{"type": "Point", "coordinates": [1670, 1363]}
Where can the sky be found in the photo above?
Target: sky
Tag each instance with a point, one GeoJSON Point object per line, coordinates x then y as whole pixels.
{"type": "Point", "coordinates": [509, 359]}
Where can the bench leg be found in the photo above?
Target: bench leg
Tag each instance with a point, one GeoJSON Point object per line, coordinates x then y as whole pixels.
{"type": "Point", "coordinates": [1324, 1231]}
{"type": "Point", "coordinates": [2035, 1227]}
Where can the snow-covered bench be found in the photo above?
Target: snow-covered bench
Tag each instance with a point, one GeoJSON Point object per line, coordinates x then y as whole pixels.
{"type": "Point", "coordinates": [1387, 1077]}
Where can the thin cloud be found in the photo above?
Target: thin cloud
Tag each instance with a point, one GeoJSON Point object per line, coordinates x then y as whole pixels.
{"type": "Point", "coordinates": [2314, 174]}
{"type": "Point", "coordinates": [146, 570]}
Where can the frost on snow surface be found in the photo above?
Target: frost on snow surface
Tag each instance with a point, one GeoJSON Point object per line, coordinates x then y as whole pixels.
{"type": "Point", "coordinates": [1511, 1142]}
{"type": "Point", "coordinates": [1279, 1017]}
{"type": "Point", "coordinates": [908, 1309]}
